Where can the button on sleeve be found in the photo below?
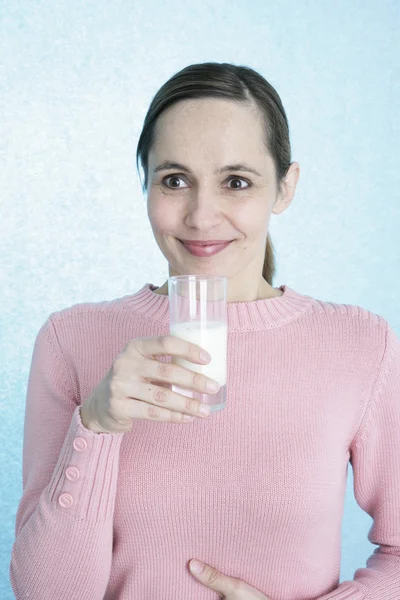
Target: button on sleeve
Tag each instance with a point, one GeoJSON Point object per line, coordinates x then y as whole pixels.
{"type": "Point", "coordinates": [80, 444]}
{"type": "Point", "coordinates": [65, 500]}
{"type": "Point", "coordinates": [72, 473]}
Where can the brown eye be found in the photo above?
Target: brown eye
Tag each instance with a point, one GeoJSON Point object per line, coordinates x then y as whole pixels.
{"type": "Point", "coordinates": [173, 177]}
{"type": "Point", "coordinates": [239, 179]}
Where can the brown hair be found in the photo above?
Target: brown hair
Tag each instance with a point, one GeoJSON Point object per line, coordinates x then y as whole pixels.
{"type": "Point", "coordinates": [231, 82]}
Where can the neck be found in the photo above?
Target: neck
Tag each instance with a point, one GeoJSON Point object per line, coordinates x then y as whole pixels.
{"type": "Point", "coordinates": [264, 291]}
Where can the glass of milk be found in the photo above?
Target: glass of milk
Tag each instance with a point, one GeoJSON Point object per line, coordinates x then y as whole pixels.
{"type": "Point", "coordinates": [198, 314]}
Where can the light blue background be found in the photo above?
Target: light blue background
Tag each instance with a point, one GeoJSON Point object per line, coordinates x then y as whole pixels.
{"type": "Point", "coordinates": [77, 79]}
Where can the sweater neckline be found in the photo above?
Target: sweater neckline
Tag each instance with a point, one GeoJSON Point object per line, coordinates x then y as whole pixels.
{"type": "Point", "coordinates": [253, 315]}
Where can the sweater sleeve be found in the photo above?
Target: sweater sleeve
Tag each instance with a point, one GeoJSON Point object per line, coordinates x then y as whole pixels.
{"type": "Point", "coordinates": [64, 521]}
{"type": "Point", "coordinates": [375, 458]}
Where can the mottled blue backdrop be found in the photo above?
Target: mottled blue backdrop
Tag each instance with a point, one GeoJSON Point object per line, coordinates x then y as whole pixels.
{"type": "Point", "coordinates": [76, 82]}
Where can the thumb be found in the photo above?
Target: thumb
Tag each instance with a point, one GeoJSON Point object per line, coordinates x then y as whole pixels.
{"type": "Point", "coordinates": [212, 578]}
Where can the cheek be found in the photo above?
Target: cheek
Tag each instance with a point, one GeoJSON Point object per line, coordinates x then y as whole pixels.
{"type": "Point", "coordinates": [252, 217]}
{"type": "Point", "coordinates": [162, 216]}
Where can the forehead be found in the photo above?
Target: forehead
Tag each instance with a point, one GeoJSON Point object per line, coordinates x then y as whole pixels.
{"type": "Point", "coordinates": [208, 110]}
{"type": "Point", "coordinates": [210, 130]}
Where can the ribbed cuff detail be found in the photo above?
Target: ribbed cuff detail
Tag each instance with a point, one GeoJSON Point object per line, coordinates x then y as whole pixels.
{"type": "Point", "coordinates": [347, 590]}
{"type": "Point", "coordinates": [84, 480]}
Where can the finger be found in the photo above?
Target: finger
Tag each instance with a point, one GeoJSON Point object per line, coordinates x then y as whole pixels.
{"type": "Point", "coordinates": [157, 403]}
{"type": "Point", "coordinates": [214, 579]}
{"type": "Point", "coordinates": [155, 370]}
{"type": "Point", "coordinates": [169, 344]}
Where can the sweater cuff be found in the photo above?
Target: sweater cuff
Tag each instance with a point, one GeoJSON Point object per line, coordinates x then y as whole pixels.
{"type": "Point", "coordinates": [84, 481]}
{"type": "Point", "coordinates": [347, 590]}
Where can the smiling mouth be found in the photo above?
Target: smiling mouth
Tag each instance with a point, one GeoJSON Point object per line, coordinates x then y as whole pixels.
{"type": "Point", "coordinates": [205, 250]}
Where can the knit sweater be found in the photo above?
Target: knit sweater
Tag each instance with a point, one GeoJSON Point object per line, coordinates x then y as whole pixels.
{"type": "Point", "coordinates": [255, 490]}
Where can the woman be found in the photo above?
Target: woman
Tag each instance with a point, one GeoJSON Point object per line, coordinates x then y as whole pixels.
{"type": "Point", "coordinates": [124, 481]}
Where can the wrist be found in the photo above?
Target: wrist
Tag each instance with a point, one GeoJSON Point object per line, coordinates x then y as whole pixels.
{"type": "Point", "coordinates": [87, 420]}
{"type": "Point", "coordinates": [85, 414]}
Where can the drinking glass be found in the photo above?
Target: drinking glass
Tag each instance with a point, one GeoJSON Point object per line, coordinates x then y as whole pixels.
{"type": "Point", "coordinates": [198, 314]}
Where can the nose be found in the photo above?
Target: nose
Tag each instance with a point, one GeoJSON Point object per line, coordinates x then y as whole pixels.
{"type": "Point", "coordinates": [203, 210]}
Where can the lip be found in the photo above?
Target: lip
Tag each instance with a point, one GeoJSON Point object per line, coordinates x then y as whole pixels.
{"type": "Point", "coordinates": [202, 250]}
{"type": "Point", "coordinates": [204, 243]}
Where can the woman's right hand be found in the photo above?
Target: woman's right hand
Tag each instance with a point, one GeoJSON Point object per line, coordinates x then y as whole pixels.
{"type": "Point", "coordinates": [126, 392]}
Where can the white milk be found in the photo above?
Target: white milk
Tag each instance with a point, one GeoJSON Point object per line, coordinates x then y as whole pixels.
{"type": "Point", "coordinates": [213, 338]}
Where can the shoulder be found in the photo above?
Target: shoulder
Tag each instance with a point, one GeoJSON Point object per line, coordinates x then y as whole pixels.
{"type": "Point", "coordinates": [361, 328]}
{"type": "Point", "coordinates": [82, 331]}
{"type": "Point", "coordinates": [90, 323]}
{"type": "Point", "coordinates": [353, 312]}
{"type": "Point", "coordinates": [90, 310]}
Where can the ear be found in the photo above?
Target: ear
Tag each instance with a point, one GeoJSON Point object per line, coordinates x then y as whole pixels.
{"type": "Point", "coordinates": [288, 189]}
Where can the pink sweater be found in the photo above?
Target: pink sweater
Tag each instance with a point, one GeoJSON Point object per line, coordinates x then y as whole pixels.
{"type": "Point", "coordinates": [256, 490]}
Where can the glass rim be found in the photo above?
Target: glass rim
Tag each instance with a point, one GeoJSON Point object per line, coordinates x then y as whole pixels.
{"type": "Point", "coordinates": [208, 277]}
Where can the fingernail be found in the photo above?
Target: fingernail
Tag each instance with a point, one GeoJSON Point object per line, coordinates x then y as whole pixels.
{"type": "Point", "coordinates": [212, 386]}
{"type": "Point", "coordinates": [204, 356]}
{"type": "Point", "coordinates": [196, 566]}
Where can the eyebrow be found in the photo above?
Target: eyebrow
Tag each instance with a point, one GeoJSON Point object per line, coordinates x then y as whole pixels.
{"type": "Point", "coordinates": [166, 165]}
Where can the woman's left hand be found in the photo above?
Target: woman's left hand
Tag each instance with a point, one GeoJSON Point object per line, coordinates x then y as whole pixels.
{"type": "Point", "coordinates": [230, 588]}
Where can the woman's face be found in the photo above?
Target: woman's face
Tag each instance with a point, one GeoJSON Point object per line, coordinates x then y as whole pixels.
{"type": "Point", "coordinates": [202, 200]}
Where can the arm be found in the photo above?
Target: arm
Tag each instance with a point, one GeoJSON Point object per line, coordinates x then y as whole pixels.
{"type": "Point", "coordinates": [64, 521]}
{"type": "Point", "coordinates": [375, 458]}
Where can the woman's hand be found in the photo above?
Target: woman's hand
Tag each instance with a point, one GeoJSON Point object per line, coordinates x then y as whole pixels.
{"type": "Point", "coordinates": [126, 392]}
{"type": "Point", "coordinates": [230, 588]}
